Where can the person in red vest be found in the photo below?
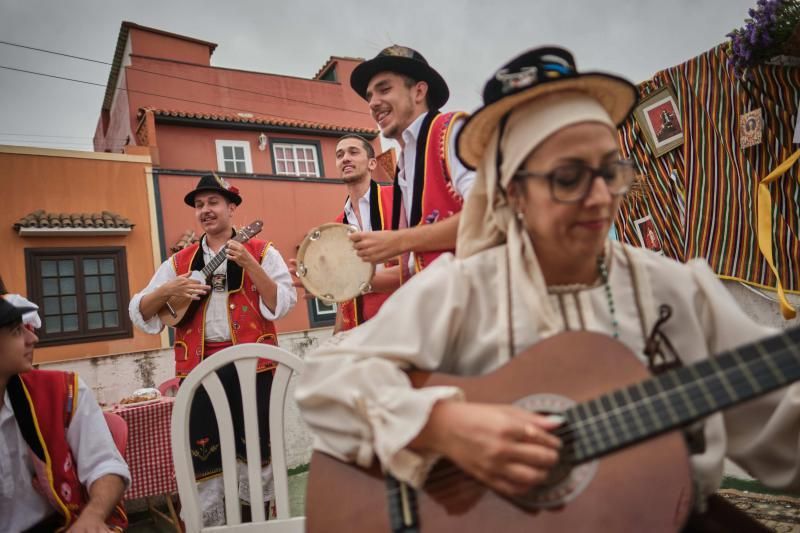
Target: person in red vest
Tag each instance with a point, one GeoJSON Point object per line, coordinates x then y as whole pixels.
{"type": "Point", "coordinates": [250, 289]}
{"type": "Point", "coordinates": [355, 160]}
{"type": "Point", "coordinates": [60, 467]}
{"type": "Point", "coordinates": [404, 95]}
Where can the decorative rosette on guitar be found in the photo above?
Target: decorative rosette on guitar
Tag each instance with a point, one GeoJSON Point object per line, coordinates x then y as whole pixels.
{"type": "Point", "coordinates": [328, 266]}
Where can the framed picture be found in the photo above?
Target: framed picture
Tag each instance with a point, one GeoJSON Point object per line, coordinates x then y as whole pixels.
{"type": "Point", "coordinates": [751, 126]}
{"type": "Point", "coordinates": [648, 236]}
{"type": "Point", "coordinates": [659, 119]}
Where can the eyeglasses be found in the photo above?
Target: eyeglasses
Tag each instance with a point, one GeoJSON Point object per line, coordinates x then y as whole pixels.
{"type": "Point", "coordinates": [571, 183]}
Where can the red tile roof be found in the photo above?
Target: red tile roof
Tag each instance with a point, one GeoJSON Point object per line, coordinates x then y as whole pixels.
{"type": "Point", "coordinates": [258, 119]}
{"type": "Point", "coordinates": [42, 219]}
{"type": "Point", "coordinates": [188, 237]}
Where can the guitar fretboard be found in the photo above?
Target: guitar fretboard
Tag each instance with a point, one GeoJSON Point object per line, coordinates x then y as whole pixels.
{"type": "Point", "coordinates": [681, 396]}
{"type": "Point", "coordinates": [215, 262]}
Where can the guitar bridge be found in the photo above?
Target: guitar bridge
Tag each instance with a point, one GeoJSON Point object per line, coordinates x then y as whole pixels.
{"type": "Point", "coordinates": [403, 515]}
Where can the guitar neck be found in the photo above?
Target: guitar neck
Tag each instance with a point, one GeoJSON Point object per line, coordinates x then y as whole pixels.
{"type": "Point", "coordinates": [681, 396]}
{"type": "Point", "coordinates": [220, 257]}
{"type": "Point", "coordinates": [215, 262]}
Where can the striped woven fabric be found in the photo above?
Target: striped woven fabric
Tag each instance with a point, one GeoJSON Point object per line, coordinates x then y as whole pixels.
{"type": "Point", "coordinates": [711, 179]}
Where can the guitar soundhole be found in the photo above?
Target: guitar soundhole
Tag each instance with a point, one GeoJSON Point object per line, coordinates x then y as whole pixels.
{"type": "Point", "coordinates": [566, 481]}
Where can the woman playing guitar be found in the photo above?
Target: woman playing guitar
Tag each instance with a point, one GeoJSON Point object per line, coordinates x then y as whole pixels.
{"type": "Point", "coordinates": [533, 261]}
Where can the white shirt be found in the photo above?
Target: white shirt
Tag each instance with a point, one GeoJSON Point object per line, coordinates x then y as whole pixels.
{"type": "Point", "coordinates": [363, 211]}
{"type": "Point", "coordinates": [217, 328]}
{"type": "Point", "coordinates": [93, 450]}
{"type": "Point", "coordinates": [462, 177]}
{"type": "Point", "coordinates": [357, 399]}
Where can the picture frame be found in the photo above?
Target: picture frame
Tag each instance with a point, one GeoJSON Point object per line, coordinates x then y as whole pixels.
{"type": "Point", "coordinates": [659, 119]}
{"type": "Point", "coordinates": [648, 235]}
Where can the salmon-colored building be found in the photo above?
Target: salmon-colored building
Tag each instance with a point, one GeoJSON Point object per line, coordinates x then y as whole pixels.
{"type": "Point", "coordinates": [78, 230]}
{"type": "Point", "coordinates": [270, 135]}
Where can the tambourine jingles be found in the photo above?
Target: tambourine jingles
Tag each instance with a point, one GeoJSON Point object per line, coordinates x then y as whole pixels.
{"type": "Point", "coordinates": [328, 266]}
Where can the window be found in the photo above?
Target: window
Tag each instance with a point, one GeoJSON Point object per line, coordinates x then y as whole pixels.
{"type": "Point", "coordinates": [296, 160]}
{"type": "Point", "coordinates": [82, 293]}
{"type": "Point", "coordinates": [330, 74]}
{"type": "Point", "coordinates": [234, 156]}
{"type": "Point", "coordinates": [321, 314]}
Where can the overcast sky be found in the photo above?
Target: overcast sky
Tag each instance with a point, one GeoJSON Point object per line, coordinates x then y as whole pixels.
{"type": "Point", "coordinates": [465, 41]}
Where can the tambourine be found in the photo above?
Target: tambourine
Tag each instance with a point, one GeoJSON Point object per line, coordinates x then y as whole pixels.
{"type": "Point", "coordinates": [328, 266]}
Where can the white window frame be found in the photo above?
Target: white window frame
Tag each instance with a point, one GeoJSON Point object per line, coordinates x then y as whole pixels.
{"type": "Point", "coordinates": [294, 147]}
{"type": "Point", "coordinates": [248, 162]}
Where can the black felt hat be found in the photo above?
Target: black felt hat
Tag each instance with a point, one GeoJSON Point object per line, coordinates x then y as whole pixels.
{"type": "Point", "coordinates": [402, 60]}
{"type": "Point", "coordinates": [536, 73]}
{"type": "Point", "coordinates": [213, 183]}
{"type": "Point", "coordinates": [10, 313]}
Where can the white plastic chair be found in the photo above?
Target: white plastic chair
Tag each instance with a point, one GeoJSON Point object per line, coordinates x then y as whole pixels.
{"type": "Point", "coordinates": [245, 358]}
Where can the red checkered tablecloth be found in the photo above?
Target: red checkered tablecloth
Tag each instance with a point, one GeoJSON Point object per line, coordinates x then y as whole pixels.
{"type": "Point", "coordinates": [149, 451]}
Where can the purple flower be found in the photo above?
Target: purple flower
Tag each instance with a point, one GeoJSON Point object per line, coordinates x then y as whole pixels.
{"type": "Point", "coordinates": [770, 23]}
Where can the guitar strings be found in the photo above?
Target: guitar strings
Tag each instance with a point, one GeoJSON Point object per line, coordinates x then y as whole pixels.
{"type": "Point", "coordinates": [735, 377]}
{"type": "Point", "coordinates": [593, 422]}
{"type": "Point", "coordinates": [217, 260]}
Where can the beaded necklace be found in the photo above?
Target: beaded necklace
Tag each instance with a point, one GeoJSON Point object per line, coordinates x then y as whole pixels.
{"type": "Point", "coordinates": [602, 269]}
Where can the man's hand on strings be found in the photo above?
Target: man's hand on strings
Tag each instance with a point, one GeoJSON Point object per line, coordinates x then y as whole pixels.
{"type": "Point", "coordinates": [236, 252]}
{"type": "Point", "coordinates": [184, 287]}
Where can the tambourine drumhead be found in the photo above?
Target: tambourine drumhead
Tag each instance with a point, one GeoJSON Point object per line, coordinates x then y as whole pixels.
{"type": "Point", "coordinates": [328, 266]}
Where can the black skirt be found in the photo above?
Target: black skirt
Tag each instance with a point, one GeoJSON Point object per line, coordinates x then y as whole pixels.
{"type": "Point", "coordinates": [203, 431]}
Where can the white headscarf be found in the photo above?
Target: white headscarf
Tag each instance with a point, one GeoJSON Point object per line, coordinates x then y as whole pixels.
{"type": "Point", "coordinates": [488, 219]}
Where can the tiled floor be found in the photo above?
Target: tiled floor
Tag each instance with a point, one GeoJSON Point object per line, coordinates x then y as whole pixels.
{"type": "Point", "coordinates": [141, 522]}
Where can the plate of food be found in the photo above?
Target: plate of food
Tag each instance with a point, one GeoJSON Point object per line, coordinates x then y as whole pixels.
{"type": "Point", "coordinates": [141, 397]}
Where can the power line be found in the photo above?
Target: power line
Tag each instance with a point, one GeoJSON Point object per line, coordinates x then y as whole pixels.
{"type": "Point", "coordinates": [22, 134]}
{"type": "Point", "coordinates": [136, 91]}
{"type": "Point", "coordinates": [54, 76]}
{"type": "Point", "coordinates": [54, 52]}
{"type": "Point", "coordinates": [23, 142]}
{"type": "Point", "coordinates": [137, 69]}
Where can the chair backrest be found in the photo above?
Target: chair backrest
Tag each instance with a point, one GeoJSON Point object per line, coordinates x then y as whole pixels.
{"type": "Point", "coordinates": [245, 358]}
{"type": "Point", "coordinates": [169, 387]}
{"type": "Point", "coordinates": [119, 431]}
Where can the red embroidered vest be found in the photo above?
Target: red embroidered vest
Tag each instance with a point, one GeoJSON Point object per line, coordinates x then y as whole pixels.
{"type": "Point", "coordinates": [44, 402]}
{"type": "Point", "coordinates": [362, 308]}
{"type": "Point", "coordinates": [244, 316]}
{"type": "Point", "coordinates": [435, 199]}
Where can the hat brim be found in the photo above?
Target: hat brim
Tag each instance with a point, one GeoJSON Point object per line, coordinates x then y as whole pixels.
{"type": "Point", "coordinates": [617, 95]}
{"type": "Point", "coordinates": [14, 315]}
{"type": "Point", "coordinates": [437, 88]}
{"type": "Point", "coordinates": [233, 197]}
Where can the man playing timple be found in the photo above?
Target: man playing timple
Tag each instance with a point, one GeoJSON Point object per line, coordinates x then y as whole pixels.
{"type": "Point", "coordinates": [404, 95]}
{"type": "Point", "coordinates": [251, 289]}
{"type": "Point", "coordinates": [369, 208]}
{"type": "Point", "coordinates": [59, 466]}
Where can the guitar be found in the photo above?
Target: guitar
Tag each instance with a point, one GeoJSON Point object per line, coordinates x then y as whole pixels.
{"type": "Point", "coordinates": [614, 410]}
{"type": "Point", "coordinates": [178, 308]}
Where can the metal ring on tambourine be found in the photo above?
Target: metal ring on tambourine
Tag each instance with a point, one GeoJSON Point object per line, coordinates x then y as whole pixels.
{"type": "Point", "coordinates": [331, 269]}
